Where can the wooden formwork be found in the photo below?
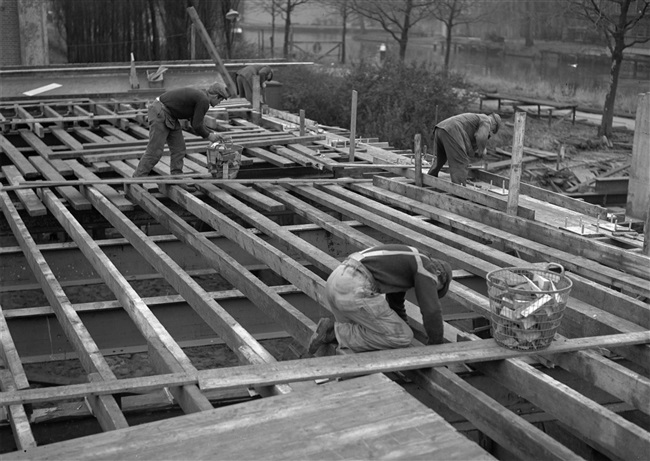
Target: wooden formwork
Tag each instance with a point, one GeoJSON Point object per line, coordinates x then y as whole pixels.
{"type": "Point", "coordinates": [296, 210]}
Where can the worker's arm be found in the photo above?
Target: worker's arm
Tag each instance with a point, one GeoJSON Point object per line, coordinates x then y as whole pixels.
{"type": "Point", "coordinates": [482, 136]}
{"type": "Point", "coordinates": [198, 123]}
{"type": "Point", "coordinates": [427, 295]}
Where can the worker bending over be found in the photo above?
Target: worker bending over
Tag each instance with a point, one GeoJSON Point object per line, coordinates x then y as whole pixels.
{"type": "Point", "coordinates": [244, 78]}
{"type": "Point", "coordinates": [458, 138]}
{"type": "Point", "coordinates": [366, 294]}
{"type": "Point", "coordinates": [164, 114]}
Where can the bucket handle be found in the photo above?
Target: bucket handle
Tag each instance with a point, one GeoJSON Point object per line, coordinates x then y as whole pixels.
{"type": "Point", "coordinates": [555, 267]}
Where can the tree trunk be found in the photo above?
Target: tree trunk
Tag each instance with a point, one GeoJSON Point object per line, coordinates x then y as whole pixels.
{"type": "Point", "coordinates": [287, 31]}
{"type": "Point", "coordinates": [608, 110]}
{"type": "Point", "coordinates": [528, 24]}
{"type": "Point", "coordinates": [344, 17]}
{"type": "Point", "coordinates": [447, 48]}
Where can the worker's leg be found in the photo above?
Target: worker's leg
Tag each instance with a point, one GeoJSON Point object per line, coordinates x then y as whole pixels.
{"type": "Point", "coordinates": [364, 321]}
{"type": "Point", "coordinates": [177, 149]}
{"type": "Point", "coordinates": [158, 132]}
{"type": "Point", "coordinates": [244, 88]}
{"type": "Point", "coordinates": [457, 158]}
{"type": "Point", "coordinates": [439, 154]}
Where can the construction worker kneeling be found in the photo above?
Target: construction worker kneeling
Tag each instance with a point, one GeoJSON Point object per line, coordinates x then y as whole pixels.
{"type": "Point", "coordinates": [366, 295]}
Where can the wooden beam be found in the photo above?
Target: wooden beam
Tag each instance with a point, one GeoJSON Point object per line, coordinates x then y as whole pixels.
{"type": "Point", "coordinates": [411, 358]}
{"type": "Point", "coordinates": [150, 327]}
{"type": "Point", "coordinates": [296, 323]}
{"type": "Point", "coordinates": [121, 202]}
{"type": "Point", "coordinates": [105, 408]}
{"type": "Point", "coordinates": [72, 195]}
{"type": "Point", "coordinates": [544, 195]}
{"type": "Point", "coordinates": [27, 197]}
{"type": "Point", "coordinates": [18, 418]}
{"type": "Point", "coordinates": [419, 201]}
{"type": "Point", "coordinates": [236, 337]}
{"type": "Point", "coordinates": [18, 159]}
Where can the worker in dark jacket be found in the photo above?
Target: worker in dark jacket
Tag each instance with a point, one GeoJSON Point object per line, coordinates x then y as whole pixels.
{"type": "Point", "coordinates": [245, 76]}
{"type": "Point", "coordinates": [458, 138]}
{"type": "Point", "coordinates": [164, 114]}
{"type": "Point", "coordinates": [366, 294]}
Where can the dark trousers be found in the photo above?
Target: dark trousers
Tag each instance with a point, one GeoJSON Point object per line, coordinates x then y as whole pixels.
{"type": "Point", "coordinates": [447, 149]}
{"type": "Point", "coordinates": [163, 128]}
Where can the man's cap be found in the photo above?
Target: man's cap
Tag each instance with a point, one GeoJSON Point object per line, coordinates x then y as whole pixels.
{"type": "Point", "coordinates": [445, 276]}
{"type": "Point", "coordinates": [497, 122]}
{"type": "Point", "coordinates": [219, 89]}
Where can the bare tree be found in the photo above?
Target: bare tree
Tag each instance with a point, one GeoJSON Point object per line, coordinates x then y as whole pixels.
{"type": "Point", "coordinates": [396, 17]}
{"type": "Point", "coordinates": [615, 19]}
{"type": "Point", "coordinates": [453, 13]}
{"type": "Point", "coordinates": [271, 7]}
{"type": "Point", "coordinates": [344, 9]}
{"type": "Point", "coordinates": [286, 7]}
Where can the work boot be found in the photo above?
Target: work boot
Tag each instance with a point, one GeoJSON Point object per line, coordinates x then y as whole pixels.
{"type": "Point", "coordinates": [324, 334]}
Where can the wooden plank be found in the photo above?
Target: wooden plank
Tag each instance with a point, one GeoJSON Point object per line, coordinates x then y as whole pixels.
{"type": "Point", "coordinates": [416, 200]}
{"type": "Point", "coordinates": [252, 196]}
{"type": "Point", "coordinates": [35, 127]}
{"type": "Point", "coordinates": [294, 156]}
{"type": "Point", "coordinates": [9, 354]}
{"type": "Point", "coordinates": [119, 123]}
{"type": "Point", "coordinates": [492, 201]}
{"type": "Point", "coordinates": [72, 195]}
{"type": "Point", "coordinates": [411, 358]}
{"type": "Point", "coordinates": [105, 407]}
{"type": "Point", "coordinates": [497, 422]}
{"type": "Point", "coordinates": [49, 112]}
{"type": "Point", "coordinates": [118, 133]}
{"type": "Point", "coordinates": [18, 419]}
{"type": "Point", "coordinates": [116, 198]}
{"type": "Point", "coordinates": [28, 198]}
{"type": "Point", "coordinates": [18, 159]}
{"type": "Point", "coordinates": [364, 418]}
{"type": "Point", "coordinates": [44, 151]}
{"type": "Point", "coordinates": [343, 231]}
{"type": "Point", "coordinates": [308, 281]}
{"type": "Point", "coordinates": [66, 138]}
{"type": "Point", "coordinates": [242, 343]}
{"type": "Point", "coordinates": [294, 321]}
{"type": "Point", "coordinates": [270, 157]}
{"type": "Point", "coordinates": [88, 135]}
{"type": "Point", "coordinates": [150, 327]}
{"type": "Point", "coordinates": [542, 233]}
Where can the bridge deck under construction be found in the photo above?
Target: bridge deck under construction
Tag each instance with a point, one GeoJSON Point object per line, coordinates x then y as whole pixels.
{"type": "Point", "coordinates": [236, 262]}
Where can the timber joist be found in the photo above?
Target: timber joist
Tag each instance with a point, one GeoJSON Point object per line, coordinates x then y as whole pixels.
{"type": "Point", "coordinates": [270, 238]}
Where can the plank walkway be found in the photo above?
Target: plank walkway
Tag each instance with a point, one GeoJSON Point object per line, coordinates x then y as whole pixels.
{"type": "Point", "coordinates": [362, 418]}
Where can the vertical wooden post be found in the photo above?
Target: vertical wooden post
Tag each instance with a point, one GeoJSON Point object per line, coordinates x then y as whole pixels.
{"type": "Point", "coordinates": [560, 157]}
{"type": "Point", "coordinates": [646, 234]}
{"type": "Point", "coordinates": [192, 42]}
{"type": "Point", "coordinates": [418, 160]}
{"type": "Point", "coordinates": [515, 168]}
{"type": "Point", "coordinates": [353, 125]}
{"type": "Point", "coordinates": [638, 195]}
{"type": "Point", "coordinates": [257, 95]}
{"type": "Point", "coordinates": [302, 122]}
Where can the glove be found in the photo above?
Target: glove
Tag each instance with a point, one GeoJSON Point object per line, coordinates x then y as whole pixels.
{"type": "Point", "coordinates": [213, 137]}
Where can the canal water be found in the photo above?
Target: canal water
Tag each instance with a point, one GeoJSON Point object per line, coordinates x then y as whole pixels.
{"type": "Point", "coordinates": [568, 72]}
